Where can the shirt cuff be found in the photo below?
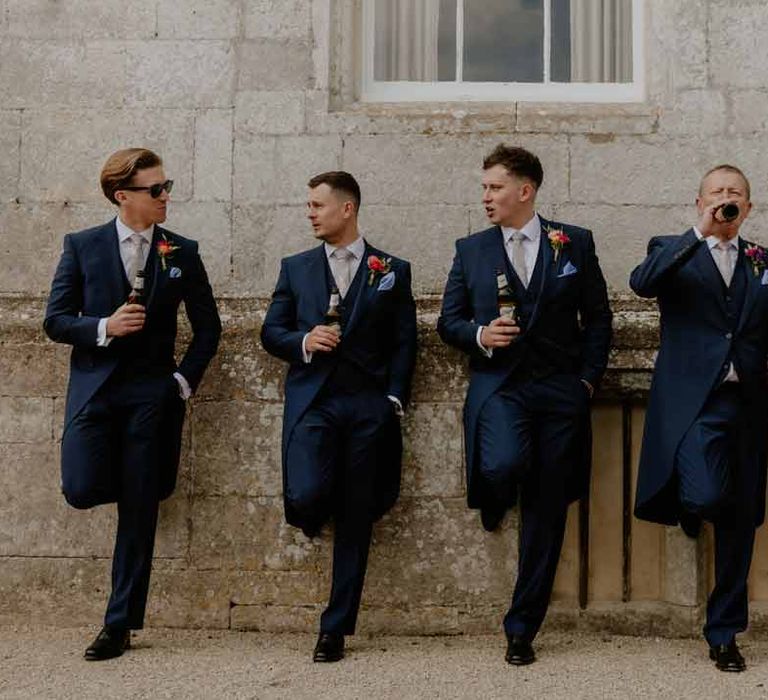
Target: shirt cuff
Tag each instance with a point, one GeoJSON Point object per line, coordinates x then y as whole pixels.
{"type": "Point", "coordinates": [488, 352]}
{"type": "Point", "coordinates": [185, 391]}
{"type": "Point", "coordinates": [398, 406]}
{"type": "Point", "coordinates": [101, 334]}
{"type": "Point", "coordinates": [306, 356]}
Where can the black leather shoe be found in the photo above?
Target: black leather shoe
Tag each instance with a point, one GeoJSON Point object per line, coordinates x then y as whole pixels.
{"type": "Point", "coordinates": [491, 516]}
{"type": "Point", "coordinates": [727, 657]}
{"type": "Point", "coordinates": [691, 524]}
{"type": "Point", "coordinates": [519, 652]}
{"type": "Point", "coordinates": [329, 648]}
{"type": "Point", "coordinates": [109, 643]}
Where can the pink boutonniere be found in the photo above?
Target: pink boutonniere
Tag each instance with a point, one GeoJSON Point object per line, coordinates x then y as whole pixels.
{"type": "Point", "coordinates": [377, 266]}
{"type": "Point", "coordinates": [558, 239]}
{"type": "Point", "coordinates": [165, 250]}
{"type": "Point", "coordinates": [758, 258]}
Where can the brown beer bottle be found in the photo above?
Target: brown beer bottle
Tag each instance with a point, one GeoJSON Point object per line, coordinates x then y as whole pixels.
{"type": "Point", "coordinates": [333, 315]}
{"type": "Point", "coordinates": [137, 292]}
{"type": "Point", "coordinates": [504, 296]}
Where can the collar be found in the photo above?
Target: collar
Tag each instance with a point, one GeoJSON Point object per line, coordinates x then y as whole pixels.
{"type": "Point", "coordinates": [124, 232]}
{"type": "Point", "coordinates": [531, 230]}
{"type": "Point", "coordinates": [357, 248]}
{"type": "Point", "coordinates": [712, 241]}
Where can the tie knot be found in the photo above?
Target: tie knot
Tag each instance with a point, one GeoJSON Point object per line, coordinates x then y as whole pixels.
{"type": "Point", "coordinates": [136, 240]}
{"type": "Point", "coordinates": [518, 236]}
{"type": "Point", "coordinates": [342, 254]}
{"type": "Point", "coordinates": [725, 246]}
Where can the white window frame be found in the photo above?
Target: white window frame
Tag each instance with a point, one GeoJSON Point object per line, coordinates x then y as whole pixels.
{"type": "Point", "coordinates": [458, 91]}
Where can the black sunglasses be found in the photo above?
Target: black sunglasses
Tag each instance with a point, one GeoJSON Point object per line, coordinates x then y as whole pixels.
{"type": "Point", "coordinates": [155, 190]}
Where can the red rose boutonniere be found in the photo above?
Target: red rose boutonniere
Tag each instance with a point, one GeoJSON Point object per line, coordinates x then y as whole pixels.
{"type": "Point", "coordinates": [165, 250]}
{"type": "Point", "coordinates": [758, 258]}
{"type": "Point", "coordinates": [558, 239]}
{"type": "Point", "coordinates": [377, 266]}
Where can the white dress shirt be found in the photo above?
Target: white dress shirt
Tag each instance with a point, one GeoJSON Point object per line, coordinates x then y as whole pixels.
{"type": "Point", "coordinates": [531, 241]}
{"type": "Point", "coordinates": [126, 248]}
{"type": "Point", "coordinates": [733, 250]}
{"type": "Point", "coordinates": [357, 248]}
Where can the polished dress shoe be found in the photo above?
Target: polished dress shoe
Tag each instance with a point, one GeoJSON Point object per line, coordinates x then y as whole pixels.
{"type": "Point", "coordinates": [491, 516]}
{"type": "Point", "coordinates": [691, 524]}
{"type": "Point", "coordinates": [727, 657]}
{"type": "Point", "coordinates": [519, 651]}
{"type": "Point", "coordinates": [109, 643]}
{"type": "Point", "coordinates": [329, 647]}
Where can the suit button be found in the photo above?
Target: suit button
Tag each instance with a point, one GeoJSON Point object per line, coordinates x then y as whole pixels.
{"type": "Point", "coordinates": [726, 366]}
{"type": "Point", "coordinates": [729, 335]}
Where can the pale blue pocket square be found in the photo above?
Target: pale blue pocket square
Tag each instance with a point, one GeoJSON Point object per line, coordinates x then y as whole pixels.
{"type": "Point", "coordinates": [568, 269]}
{"type": "Point", "coordinates": [174, 273]}
{"type": "Point", "coordinates": [764, 278]}
{"type": "Point", "coordinates": [387, 282]}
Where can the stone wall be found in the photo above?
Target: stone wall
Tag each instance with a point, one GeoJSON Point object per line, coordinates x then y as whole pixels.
{"type": "Point", "coordinates": [246, 99]}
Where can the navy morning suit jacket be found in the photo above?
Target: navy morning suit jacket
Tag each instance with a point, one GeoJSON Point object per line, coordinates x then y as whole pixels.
{"type": "Point", "coordinates": [698, 343]}
{"type": "Point", "coordinates": [569, 327]}
{"type": "Point", "coordinates": [90, 284]}
{"type": "Point", "coordinates": [379, 339]}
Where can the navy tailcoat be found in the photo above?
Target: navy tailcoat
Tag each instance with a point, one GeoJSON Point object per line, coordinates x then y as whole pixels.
{"type": "Point", "coordinates": [90, 284]}
{"type": "Point", "coordinates": [570, 325]}
{"type": "Point", "coordinates": [379, 339]}
{"type": "Point", "coordinates": [698, 343]}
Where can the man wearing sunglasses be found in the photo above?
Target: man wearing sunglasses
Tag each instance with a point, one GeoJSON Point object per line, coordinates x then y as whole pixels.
{"type": "Point", "coordinates": [125, 401]}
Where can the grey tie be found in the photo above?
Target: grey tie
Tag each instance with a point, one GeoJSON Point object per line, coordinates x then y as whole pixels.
{"type": "Point", "coordinates": [724, 261]}
{"type": "Point", "coordinates": [136, 258]}
{"type": "Point", "coordinates": [518, 256]}
{"type": "Point", "coordinates": [342, 269]}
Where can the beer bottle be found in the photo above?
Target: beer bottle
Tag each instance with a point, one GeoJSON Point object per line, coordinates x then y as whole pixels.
{"type": "Point", "coordinates": [137, 291]}
{"type": "Point", "coordinates": [333, 315]}
{"type": "Point", "coordinates": [504, 296]}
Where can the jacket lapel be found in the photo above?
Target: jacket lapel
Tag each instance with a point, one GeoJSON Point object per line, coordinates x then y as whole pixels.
{"type": "Point", "coordinates": [705, 267]}
{"type": "Point", "coordinates": [365, 291]}
{"type": "Point", "coordinates": [156, 278]}
{"type": "Point", "coordinates": [753, 284]}
{"type": "Point", "coordinates": [548, 268]}
{"type": "Point", "coordinates": [111, 254]}
{"type": "Point", "coordinates": [316, 282]}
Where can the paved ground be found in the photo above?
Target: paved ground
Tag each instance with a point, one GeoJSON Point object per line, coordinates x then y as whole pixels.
{"type": "Point", "coordinates": [47, 663]}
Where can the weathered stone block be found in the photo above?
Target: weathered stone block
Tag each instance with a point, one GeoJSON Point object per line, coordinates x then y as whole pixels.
{"type": "Point", "coordinates": [58, 73]}
{"type": "Point", "coordinates": [277, 18]}
{"type": "Point", "coordinates": [275, 170]}
{"type": "Point", "coordinates": [264, 112]}
{"type": "Point", "coordinates": [274, 64]}
{"type": "Point", "coordinates": [433, 451]}
{"type": "Point", "coordinates": [25, 420]}
{"type": "Point", "coordinates": [749, 111]}
{"type": "Point", "coordinates": [250, 534]}
{"type": "Point", "coordinates": [738, 52]}
{"type": "Point", "coordinates": [566, 118]}
{"type": "Point", "coordinates": [82, 20]}
{"type": "Point", "coordinates": [275, 618]}
{"type": "Point", "coordinates": [209, 224]}
{"type": "Point", "coordinates": [62, 152]}
{"type": "Point", "coordinates": [10, 146]}
{"type": "Point", "coordinates": [695, 113]}
{"type": "Point", "coordinates": [213, 155]}
{"type": "Point", "coordinates": [194, 74]}
{"type": "Point", "coordinates": [199, 19]}
{"type": "Point", "coordinates": [244, 458]}
{"type": "Point", "coordinates": [31, 370]}
{"type": "Point", "coordinates": [423, 235]}
{"type": "Point", "coordinates": [439, 169]}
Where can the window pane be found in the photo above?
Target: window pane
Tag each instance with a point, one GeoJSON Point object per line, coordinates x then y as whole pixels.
{"type": "Point", "coordinates": [560, 55]}
{"type": "Point", "coordinates": [601, 41]}
{"type": "Point", "coordinates": [504, 40]}
{"type": "Point", "coordinates": [414, 40]}
{"type": "Point", "coordinates": [446, 41]}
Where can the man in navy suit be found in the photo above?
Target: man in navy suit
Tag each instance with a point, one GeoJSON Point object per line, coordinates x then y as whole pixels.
{"type": "Point", "coordinates": [532, 373]}
{"type": "Point", "coordinates": [125, 400]}
{"type": "Point", "coordinates": [344, 391]}
{"type": "Point", "coordinates": [704, 447]}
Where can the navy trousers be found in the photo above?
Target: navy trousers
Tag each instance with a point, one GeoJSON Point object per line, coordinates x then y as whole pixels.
{"type": "Point", "coordinates": [708, 466]}
{"type": "Point", "coordinates": [112, 447]}
{"type": "Point", "coordinates": [331, 461]}
{"type": "Point", "coordinates": [530, 437]}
